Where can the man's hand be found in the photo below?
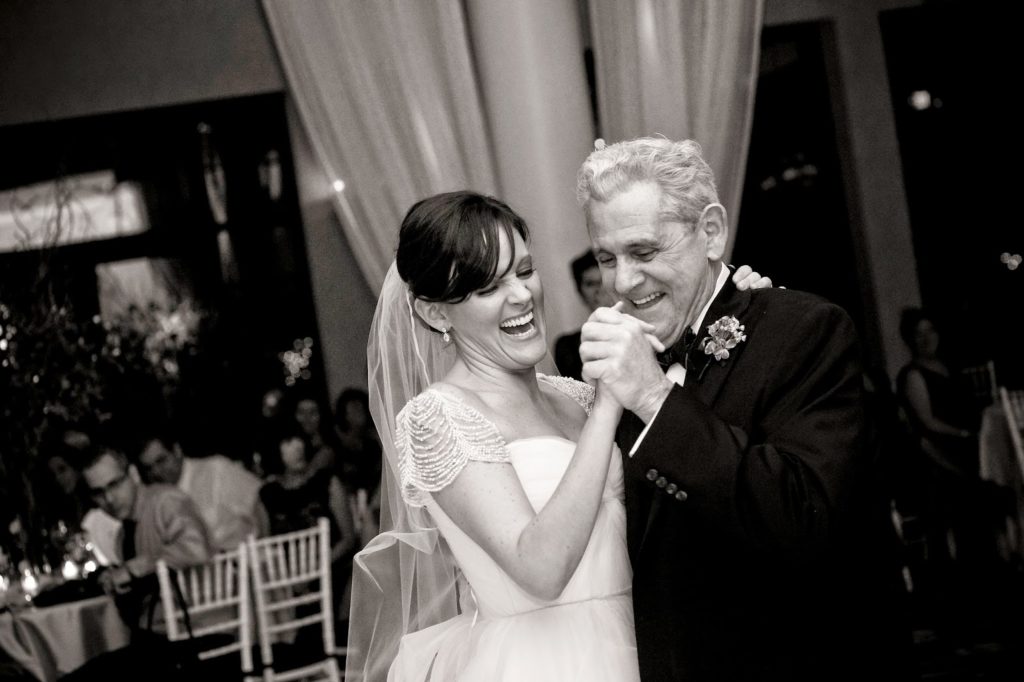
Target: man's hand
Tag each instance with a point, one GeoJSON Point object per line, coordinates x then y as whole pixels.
{"type": "Point", "coordinates": [115, 580]}
{"type": "Point", "coordinates": [745, 278]}
{"type": "Point", "coordinates": [616, 350]}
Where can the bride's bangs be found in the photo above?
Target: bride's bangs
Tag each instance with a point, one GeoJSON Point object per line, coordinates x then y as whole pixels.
{"type": "Point", "coordinates": [479, 250]}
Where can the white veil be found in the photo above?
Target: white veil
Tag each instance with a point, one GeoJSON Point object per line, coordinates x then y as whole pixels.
{"type": "Point", "coordinates": [404, 579]}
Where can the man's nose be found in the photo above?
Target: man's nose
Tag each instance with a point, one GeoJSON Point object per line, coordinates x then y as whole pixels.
{"type": "Point", "coordinates": [627, 278]}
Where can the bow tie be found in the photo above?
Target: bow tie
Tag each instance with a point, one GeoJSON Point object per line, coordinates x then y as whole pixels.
{"type": "Point", "coordinates": [679, 352]}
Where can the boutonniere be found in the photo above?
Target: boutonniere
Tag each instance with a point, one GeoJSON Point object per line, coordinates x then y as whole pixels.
{"type": "Point", "coordinates": [724, 335]}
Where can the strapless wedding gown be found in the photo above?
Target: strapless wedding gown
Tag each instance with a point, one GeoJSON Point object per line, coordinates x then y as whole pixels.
{"type": "Point", "coordinates": [585, 634]}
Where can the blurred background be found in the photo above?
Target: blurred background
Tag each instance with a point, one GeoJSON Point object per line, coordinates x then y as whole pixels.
{"type": "Point", "coordinates": [198, 202]}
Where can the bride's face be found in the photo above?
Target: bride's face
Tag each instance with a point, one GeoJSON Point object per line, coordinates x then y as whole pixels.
{"type": "Point", "coordinates": [502, 323]}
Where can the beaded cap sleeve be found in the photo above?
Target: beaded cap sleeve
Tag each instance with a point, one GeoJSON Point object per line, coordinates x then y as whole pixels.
{"type": "Point", "coordinates": [577, 390]}
{"type": "Point", "coordinates": [436, 435]}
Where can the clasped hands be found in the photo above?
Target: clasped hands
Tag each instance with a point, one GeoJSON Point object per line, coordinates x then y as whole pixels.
{"type": "Point", "coordinates": [617, 351]}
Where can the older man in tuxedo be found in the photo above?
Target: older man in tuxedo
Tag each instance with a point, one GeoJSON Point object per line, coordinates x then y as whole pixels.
{"type": "Point", "coordinates": [745, 456]}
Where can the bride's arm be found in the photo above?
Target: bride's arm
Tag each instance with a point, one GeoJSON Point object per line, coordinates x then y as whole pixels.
{"type": "Point", "coordinates": [540, 551]}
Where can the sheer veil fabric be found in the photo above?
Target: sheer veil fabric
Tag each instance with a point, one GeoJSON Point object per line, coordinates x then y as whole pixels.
{"type": "Point", "coordinates": [405, 579]}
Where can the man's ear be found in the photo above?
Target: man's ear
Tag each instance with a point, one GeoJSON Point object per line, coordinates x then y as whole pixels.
{"type": "Point", "coordinates": [715, 225]}
{"type": "Point", "coordinates": [433, 313]}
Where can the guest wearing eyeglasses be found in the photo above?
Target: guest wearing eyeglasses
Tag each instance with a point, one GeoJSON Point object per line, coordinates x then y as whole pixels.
{"type": "Point", "coordinates": [158, 522]}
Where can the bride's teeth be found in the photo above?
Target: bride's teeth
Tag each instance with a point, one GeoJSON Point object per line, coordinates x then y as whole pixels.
{"type": "Point", "coordinates": [518, 321]}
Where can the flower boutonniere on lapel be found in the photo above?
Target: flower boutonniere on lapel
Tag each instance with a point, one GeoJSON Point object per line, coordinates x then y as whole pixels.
{"type": "Point", "coordinates": [724, 335]}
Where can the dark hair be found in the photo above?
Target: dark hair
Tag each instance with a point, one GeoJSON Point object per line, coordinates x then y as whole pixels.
{"type": "Point", "coordinates": [95, 452]}
{"type": "Point", "coordinates": [161, 435]}
{"type": "Point", "coordinates": [448, 244]}
{"type": "Point", "coordinates": [909, 319]}
{"type": "Point", "coordinates": [581, 264]}
{"type": "Point", "coordinates": [350, 395]}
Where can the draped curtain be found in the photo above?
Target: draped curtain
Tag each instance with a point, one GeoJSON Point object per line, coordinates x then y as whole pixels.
{"type": "Point", "coordinates": [388, 95]}
{"type": "Point", "coordinates": [682, 69]}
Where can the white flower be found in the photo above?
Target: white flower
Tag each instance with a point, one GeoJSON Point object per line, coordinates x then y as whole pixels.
{"type": "Point", "coordinates": [725, 334]}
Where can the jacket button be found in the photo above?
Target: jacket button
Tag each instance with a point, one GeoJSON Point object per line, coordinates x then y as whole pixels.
{"type": "Point", "coordinates": [681, 496]}
{"type": "Point", "coordinates": [652, 474]}
{"type": "Point", "coordinates": [661, 482]}
{"type": "Point", "coordinates": [671, 488]}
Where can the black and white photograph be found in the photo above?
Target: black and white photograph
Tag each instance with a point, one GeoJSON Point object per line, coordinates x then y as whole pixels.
{"type": "Point", "coordinates": [511, 341]}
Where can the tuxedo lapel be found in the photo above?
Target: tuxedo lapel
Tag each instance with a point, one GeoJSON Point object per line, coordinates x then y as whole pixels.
{"type": "Point", "coordinates": [708, 375]}
{"type": "Point", "coordinates": [637, 509]}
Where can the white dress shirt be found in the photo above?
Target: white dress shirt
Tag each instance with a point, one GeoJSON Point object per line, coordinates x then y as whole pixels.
{"type": "Point", "coordinates": [226, 496]}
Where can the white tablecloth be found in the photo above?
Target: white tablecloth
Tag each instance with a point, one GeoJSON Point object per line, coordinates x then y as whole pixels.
{"type": "Point", "coordinates": [996, 458]}
{"type": "Point", "coordinates": [52, 641]}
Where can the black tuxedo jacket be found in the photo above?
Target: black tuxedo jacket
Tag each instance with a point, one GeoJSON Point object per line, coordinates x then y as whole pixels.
{"type": "Point", "coordinates": [567, 356]}
{"type": "Point", "coordinates": [747, 513]}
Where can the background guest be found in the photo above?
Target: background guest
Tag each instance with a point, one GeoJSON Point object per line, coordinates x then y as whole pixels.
{"type": "Point", "coordinates": [359, 457]}
{"type": "Point", "coordinates": [225, 493]}
{"type": "Point", "coordinates": [587, 276]}
{"type": "Point", "coordinates": [322, 442]}
{"type": "Point", "coordinates": [298, 495]}
{"type": "Point", "coordinates": [960, 513]}
{"type": "Point", "coordinates": [269, 427]}
{"type": "Point", "coordinates": [66, 495]}
{"type": "Point", "coordinates": [158, 522]}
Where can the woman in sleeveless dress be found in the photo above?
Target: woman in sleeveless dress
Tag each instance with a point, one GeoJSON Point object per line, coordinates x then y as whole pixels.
{"type": "Point", "coordinates": [503, 487]}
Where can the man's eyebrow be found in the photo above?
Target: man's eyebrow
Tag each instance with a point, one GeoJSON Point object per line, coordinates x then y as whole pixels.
{"type": "Point", "coordinates": [642, 242]}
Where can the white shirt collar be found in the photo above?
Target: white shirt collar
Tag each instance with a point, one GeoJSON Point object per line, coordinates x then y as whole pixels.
{"type": "Point", "coordinates": [723, 277]}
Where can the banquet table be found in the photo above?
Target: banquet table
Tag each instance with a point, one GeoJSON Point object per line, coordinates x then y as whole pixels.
{"type": "Point", "coordinates": [52, 641]}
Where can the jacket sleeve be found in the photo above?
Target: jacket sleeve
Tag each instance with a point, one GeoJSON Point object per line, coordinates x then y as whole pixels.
{"type": "Point", "coordinates": [183, 537]}
{"type": "Point", "coordinates": [786, 480]}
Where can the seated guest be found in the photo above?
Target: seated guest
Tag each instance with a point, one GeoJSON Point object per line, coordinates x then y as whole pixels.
{"type": "Point", "coordinates": [226, 494]}
{"type": "Point", "coordinates": [268, 427]}
{"type": "Point", "coordinates": [297, 495]}
{"type": "Point", "coordinates": [158, 522]}
{"type": "Point", "coordinates": [587, 276]}
{"type": "Point", "coordinates": [67, 497]}
{"type": "Point", "coordinates": [359, 455]}
{"type": "Point", "coordinates": [961, 513]}
{"type": "Point", "coordinates": [320, 437]}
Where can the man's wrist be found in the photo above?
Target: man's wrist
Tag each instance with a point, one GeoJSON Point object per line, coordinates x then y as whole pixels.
{"type": "Point", "coordinates": [651, 402]}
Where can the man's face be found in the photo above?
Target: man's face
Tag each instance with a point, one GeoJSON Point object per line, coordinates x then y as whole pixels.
{"type": "Point", "coordinates": [158, 464]}
{"type": "Point", "coordinates": [111, 486]}
{"type": "Point", "coordinates": [591, 290]}
{"type": "Point", "coordinates": [662, 269]}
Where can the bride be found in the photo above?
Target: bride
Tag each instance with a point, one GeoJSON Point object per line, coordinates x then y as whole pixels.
{"type": "Point", "coordinates": [503, 486]}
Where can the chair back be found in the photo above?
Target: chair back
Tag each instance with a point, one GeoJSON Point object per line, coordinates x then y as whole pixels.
{"type": "Point", "coordinates": [208, 599]}
{"type": "Point", "coordinates": [1013, 408]}
{"type": "Point", "coordinates": [982, 380]}
{"type": "Point", "coordinates": [289, 571]}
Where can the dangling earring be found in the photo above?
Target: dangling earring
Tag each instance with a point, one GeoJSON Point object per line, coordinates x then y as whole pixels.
{"type": "Point", "coordinates": [445, 336]}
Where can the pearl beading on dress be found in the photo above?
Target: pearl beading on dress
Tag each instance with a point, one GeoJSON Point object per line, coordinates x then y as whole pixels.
{"type": "Point", "coordinates": [437, 434]}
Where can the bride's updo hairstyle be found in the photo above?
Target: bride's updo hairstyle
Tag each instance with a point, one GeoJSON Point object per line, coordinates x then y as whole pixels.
{"type": "Point", "coordinates": [448, 246]}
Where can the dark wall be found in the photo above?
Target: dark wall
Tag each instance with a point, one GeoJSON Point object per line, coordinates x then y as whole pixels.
{"type": "Point", "coordinates": [68, 58]}
{"type": "Point", "coordinates": [959, 144]}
